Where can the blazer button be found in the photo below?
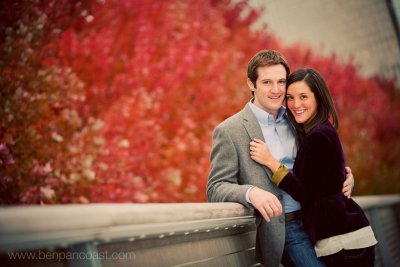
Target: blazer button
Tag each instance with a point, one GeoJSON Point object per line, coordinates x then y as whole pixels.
{"type": "Point", "coordinates": [280, 197]}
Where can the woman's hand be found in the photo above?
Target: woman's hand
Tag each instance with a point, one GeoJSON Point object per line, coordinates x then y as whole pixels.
{"type": "Point", "coordinates": [348, 184]}
{"type": "Point", "coordinates": [260, 153]}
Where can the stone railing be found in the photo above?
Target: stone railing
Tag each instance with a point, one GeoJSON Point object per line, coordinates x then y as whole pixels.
{"type": "Point", "coordinates": [186, 234]}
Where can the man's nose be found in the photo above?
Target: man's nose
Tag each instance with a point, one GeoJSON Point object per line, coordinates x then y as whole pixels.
{"type": "Point", "coordinates": [275, 88]}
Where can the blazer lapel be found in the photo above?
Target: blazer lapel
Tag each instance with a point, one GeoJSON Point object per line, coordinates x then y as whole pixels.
{"type": "Point", "coordinates": [253, 129]}
{"type": "Point", "coordinates": [251, 124]}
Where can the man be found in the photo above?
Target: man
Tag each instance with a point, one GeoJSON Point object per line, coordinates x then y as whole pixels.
{"type": "Point", "coordinates": [235, 177]}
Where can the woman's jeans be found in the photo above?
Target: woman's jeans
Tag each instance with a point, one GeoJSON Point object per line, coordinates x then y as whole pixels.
{"type": "Point", "coordinates": [298, 248]}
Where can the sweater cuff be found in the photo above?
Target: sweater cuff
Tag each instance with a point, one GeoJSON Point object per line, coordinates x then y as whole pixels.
{"type": "Point", "coordinates": [280, 173]}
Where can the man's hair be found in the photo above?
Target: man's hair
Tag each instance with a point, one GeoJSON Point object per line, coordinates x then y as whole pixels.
{"type": "Point", "coordinates": [325, 107]}
{"type": "Point", "coordinates": [265, 58]}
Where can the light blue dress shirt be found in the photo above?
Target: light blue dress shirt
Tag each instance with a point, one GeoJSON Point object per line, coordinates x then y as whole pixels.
{"type": "Point", "coordinates": [281, 141]}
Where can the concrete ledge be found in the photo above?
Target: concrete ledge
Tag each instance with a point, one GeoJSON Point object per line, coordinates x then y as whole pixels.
{"type": "Point", "coordinates": [179, 234]}
{"type": "Point", "coordinates": [32, 227]}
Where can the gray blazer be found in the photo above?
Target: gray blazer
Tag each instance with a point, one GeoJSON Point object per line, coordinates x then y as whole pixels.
{"type": "Point", "coordinates": [233, 172]}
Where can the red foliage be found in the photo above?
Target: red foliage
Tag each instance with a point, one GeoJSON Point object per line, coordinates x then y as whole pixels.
{"type": "Point", "coordinates": [116, 101]}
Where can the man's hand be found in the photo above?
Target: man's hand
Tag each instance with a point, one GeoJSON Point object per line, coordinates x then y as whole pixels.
{"type": "Point", "coordinates": [348, 184]}
{"type": "Point", "coordinates": [265, 202]}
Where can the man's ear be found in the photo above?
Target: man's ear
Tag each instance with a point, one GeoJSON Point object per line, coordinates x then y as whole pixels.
{"type": "Point", "coordinates": [250, 85]}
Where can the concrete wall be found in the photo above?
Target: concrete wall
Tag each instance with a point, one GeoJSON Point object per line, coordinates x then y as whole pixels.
{"type": "Point", "coordinates": [358, 29]}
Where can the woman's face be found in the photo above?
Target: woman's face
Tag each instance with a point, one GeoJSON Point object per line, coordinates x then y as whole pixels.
{"type": "Point", "coordinates": [301, 102]}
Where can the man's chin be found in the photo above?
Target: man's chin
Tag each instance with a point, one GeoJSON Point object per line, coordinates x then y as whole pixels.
{"type": "Point", "coordinates": [276, 105]}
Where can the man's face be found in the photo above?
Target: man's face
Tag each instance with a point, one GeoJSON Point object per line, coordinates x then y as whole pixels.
{"type": "Point", "coordinates": [269, 91]}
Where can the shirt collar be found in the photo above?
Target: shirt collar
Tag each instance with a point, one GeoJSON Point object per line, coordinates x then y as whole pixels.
{"type": "Point", "coordinates": [264, 117]}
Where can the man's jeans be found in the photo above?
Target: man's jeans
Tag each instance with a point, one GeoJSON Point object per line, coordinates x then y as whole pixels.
{"type": "Point", "coordinates": [298, 249]}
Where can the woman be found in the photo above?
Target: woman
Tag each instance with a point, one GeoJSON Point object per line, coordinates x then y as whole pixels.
{"type": "Point", "coordinates": [337, 226]}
